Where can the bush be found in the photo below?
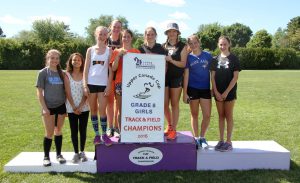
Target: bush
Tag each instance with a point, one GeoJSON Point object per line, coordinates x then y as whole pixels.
{"type": "Point", "coordinates": [29, 55]}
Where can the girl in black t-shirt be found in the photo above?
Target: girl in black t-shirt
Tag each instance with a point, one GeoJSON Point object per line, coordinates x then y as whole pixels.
{"type": "Point", "coordinates": [150, 46]}
{"type": "Point", "coordinates": [225, 70]}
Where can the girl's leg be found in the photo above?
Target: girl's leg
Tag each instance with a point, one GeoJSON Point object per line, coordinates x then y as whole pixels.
{"type": "Point", "coordinates": [220, 108]}
{"type": "Point", "coordinates": [167, 110]}
{"type": "Point", "coordinates": [73, 120]}
{"type": "Point", "coordinates": [58, 134]}
{"type": "Point", "coordinates": [194, 108]}
{"type": "Point", "coordinates": [119, 104]}
{"type": "Point", "coordinates": [228, 108]}
{"type": "Point", "coordinates": [94, 115]}
{"type": "Point", "coordinates": [206, 112]}
{"type": "Point", "coordinates": [83, 120]}
{"type": "Point", "coordinates": [102, 101]}
{"type": "Point", "coordinates": [48, 121]}
{"type": "Point", "coordinates": [110, 107]}
{"type": "Point", "coordinates": [175, 94]}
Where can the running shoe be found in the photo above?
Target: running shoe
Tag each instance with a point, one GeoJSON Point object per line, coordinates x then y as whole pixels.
{"type": "Point", "coordinates": [61, 159]}
{"type": "Point", "coordinates": [76, 158]}
{"type": "Point", "coordinates": [226, 147]}
{"type": "Point", "coordinates": [172, 135]}
{"type": "Point", "coordinates": [106, 140]}
{"type": "Point", "coordinates": [46, 162]}
{"type": "Point", "coordinates": [219, 145]}
{"type": "Point", "coordinates": [83, 157]}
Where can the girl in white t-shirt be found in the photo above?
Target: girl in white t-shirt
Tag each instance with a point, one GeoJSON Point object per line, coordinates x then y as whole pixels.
{"type": "Point", "coordinates": [97, 80]}
{"type": "Point", "coordinates": [77, 106]}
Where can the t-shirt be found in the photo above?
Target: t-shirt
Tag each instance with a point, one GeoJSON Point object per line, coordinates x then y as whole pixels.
{"type": "Point", "coordinates": [98, 71]}
{"type": "Point", "coordinates": [156, 49]}
{"type": "Point", "coordinates": [224, 68]}
{"type": "Point", "coordinates": [113, 44]}
{"type": "Point", "coordinates": [51, 83]}
{"type": "Point", "coordinates": [198, 65]}
{"type": "Point", "coordinates": [120, 66]}
{"type": "Point", "coordinates": [175, 51]}
{"type": "Point", "coordinates": [76, 93]}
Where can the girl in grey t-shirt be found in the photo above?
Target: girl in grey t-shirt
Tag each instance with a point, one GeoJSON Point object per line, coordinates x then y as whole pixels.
{"type": "Point", "coordinates": [51, 95]}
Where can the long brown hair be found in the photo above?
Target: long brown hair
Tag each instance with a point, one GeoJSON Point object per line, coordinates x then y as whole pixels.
{"type": "Point", "coordinates": [111, 27]}
{"type": "Point", "coordinates": [69, 66]}
{"type": "Point", "coordinates": [146, 30]}
{"type": "Point", "coordinates": [58, 67]}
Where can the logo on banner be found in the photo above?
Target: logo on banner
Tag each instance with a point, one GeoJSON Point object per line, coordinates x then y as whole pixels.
{"type": "Point", "coordinates": [145, 156]}
{"type": "Point", "coordinates": [140, 64]}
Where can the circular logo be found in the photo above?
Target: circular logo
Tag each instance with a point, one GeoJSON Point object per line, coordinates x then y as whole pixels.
{"type": "Point", "coordinates": [145, 156]}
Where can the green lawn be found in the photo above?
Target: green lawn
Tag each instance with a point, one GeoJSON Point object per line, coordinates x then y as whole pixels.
{"type": "Point", "coordinates": [266, 109]}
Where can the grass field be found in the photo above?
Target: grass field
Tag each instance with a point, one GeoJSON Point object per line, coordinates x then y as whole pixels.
{"type": "Point", "coordinates": [266, 109]}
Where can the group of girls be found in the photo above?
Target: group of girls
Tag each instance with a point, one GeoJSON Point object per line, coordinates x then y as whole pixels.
{"type": "Point", "coordinates": [94, 85]}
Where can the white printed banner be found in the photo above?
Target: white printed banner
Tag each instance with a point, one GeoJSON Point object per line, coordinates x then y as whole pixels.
{"type": "Point", "coordinates": [143, 86]}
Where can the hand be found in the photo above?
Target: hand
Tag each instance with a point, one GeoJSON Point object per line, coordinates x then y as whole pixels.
{"type": "Point", "coordinates": [218, 96]}
{"type": "Point", "coordinates": [122, 53]}
{"type": "Point", "coordinates": [45, 112]}
{"type": "Point", "coordinates": [168, 58]}
{"type": "Point", "coordinates": [186, 99]}
{"type": "Point", "coordinates": [224, 95]}
{"type": "Point", "coordinates": [107, 91]}
{"type": "Point", "coordinates": [86, 91]}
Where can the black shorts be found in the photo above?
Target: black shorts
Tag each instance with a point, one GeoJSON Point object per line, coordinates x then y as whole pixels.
{"type": "Point", "coordinates": [230, 97]}
{"type": "Point", "coordinates": [195, 94]}
{"type": "Point", "coordinates": [174, 82]}
{"type": "Point", "coordinates": [58, 110]}
{"type": "Point", "coordinates": [96, 88]}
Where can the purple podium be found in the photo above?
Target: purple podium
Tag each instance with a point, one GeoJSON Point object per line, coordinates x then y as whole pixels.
{"type": "Point", "coordinates": [179, 154]}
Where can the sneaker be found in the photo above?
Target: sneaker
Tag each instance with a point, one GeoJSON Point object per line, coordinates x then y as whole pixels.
{"type": "Point", "coordinates": [83, 157]}
{"type": "Point", "coordinates": [172, 135]}
{"type": "Point", "coordinates": [198, 143]}
{"type": "Point", "coordinates": [203, 143]}
{"type": "Point", "coordinates": [110, 132]}
{"type": "Point", "coordinates": [117, 133]}
{"type": "Point", "coordinates": [60, 159]}
{"type": "Point", "coordinates": [166, 132]}
{"type": "Point", "coordinates": [226, 147]}
{"type": "Point", "coordinates": [76, 158]}
{"type": "Point", "coordinates": [106, 140]}
{"type": "Point", "coordinates": [97, 140]}
{"type": "Point", "coordinates": [219, 145]}
{"type": "Point", "coordinates": [46, 162]}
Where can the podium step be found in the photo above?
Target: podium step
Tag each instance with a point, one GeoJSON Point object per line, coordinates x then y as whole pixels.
{"type": "Point", "coordinates": [244, 156]}
{"type": "Point", "coordinates": [33, 162]}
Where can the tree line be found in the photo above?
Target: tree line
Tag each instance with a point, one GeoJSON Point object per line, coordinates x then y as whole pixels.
{"type": "Point", "coordinates": [47, 33]}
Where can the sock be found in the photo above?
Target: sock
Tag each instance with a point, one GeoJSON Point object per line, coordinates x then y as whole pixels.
{"type": "Point", "coordinates": [103, 121]}
{"type": "Point", "coordinates": [58, 144]}
{"type": "Point", "coordinates": [47, 146]}
{"type": "Point", "coordinates": [95, 124]}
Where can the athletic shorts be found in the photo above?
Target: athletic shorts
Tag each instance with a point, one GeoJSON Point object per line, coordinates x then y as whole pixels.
{"type": "Point", "coordinates": [195, 94]}
{"type": "Point", "coordinates": [96, 88]}
{"type": "Point", "coordinates": [174, 82]}
{"type": "Point", "coordinates": [118, 88]}
{"type": "Point", "coordinates": [58, 110]}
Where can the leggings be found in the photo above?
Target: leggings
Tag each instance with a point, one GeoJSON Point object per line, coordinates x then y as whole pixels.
{"type": "Point", "coordinates": [78, 122]}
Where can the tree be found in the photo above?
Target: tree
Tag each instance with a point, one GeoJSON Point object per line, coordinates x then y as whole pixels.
{"type": "Point", "coordinates": [209, 35]}
{"type": "Point", "coordinates": [1, 33]}
{"type": "Point", "coordinates": [279, 39]}
{"type": "Point", "coordinates": [239, 34]}
{"type": "Point", "coordinates": [103, 20]}
{"type": "Point", "coordinates": [25, 36]}
{"type": "Point", "coordinates": [261, 39]}
{"type": "Point", "coordinates": [49, 30]}
{"type": "Point", "coordinates": [293, 33]}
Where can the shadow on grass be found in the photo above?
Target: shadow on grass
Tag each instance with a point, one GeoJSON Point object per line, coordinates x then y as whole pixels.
{"type": "Point", "coordinates": [292, 175]}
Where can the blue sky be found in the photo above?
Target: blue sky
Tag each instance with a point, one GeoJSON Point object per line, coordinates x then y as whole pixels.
{"type": "Point", "coordinates": [17, 15]}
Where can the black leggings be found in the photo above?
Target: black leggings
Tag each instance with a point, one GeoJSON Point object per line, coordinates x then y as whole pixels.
{"type": "Point", "coordinates": [81, 122]}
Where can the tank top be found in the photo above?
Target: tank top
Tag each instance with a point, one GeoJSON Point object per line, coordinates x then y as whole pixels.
{"type": "Point", "coordinates": [76, 93]}
{"type": "Point", "coordinates": [174, 71]}
{"type": "Point", "coordinates": [98, 71]}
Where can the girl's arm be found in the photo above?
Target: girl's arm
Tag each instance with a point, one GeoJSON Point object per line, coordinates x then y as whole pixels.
{"type": "Point", "coordinates": [86, 71]}
{"type": "Point", "coordinates": [110, 77]}
{"type": "Point", "coordinates": [45, 110]}
{"type": "Point", "coordinates": [185, 85]}
{"type": "Point", "coordinates": [214, 87]}
{"type": "Point", "coordinates": [117, 58]}
{"type": "Point", "coordinates": [231, 84]}
{"type": "Point", "coordinates": [183, 58]}
{"type": "Point", "coordinates": [68, 92]}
